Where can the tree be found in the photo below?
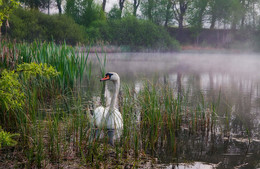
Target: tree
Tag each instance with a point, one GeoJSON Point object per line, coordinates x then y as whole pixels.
{"type": "Point", "coordinates": [121, 5]}
{"type": "Point", "coordinates": [36, 4]}
{"type": "Point", "coordinates": [248, 10]}
{"type": "Point", "coordinates": [59, 5]}
{"type": "Point", "coordinates": [104, 5]}
{"type": "Point", "coordinates": [237, 13]}
{"type": "Point", "coordinates": [71, 9]}
{"type": "Point", "coordinates": [147, 8]}
{"type": "Point", "coordinates": [168, 13]}
{"type": "Point", "coordinates": [6, 8]}
{"type": "Point", "coordinates": [48, 6]}
{"type": "Point", "coordinates": [136, 5]}
{"type": "Point", "coordinates": [219, 10]}
{"type": "Point", "coordinates": [159, 12]}
{"type": "Point", "coordinates": [114, 13]}
{"type": "Point", "coordinates": [179, 9]}
{"type": "Point", "coordinates": [196, 12]}
{"type": "Point", "coordinates": [84, 12]}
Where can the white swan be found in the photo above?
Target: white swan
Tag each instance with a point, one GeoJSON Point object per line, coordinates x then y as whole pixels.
{"type": "Point", "coordinates": [110, 118]}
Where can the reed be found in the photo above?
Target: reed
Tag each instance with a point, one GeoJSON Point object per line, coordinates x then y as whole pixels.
{"type": "Point", "coordinates": [163, 116]}
{"type": "Point", "coordinates": [69, 61]}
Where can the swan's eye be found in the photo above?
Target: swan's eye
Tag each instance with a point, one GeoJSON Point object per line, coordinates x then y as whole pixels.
{"type": "Point", "coordinates": [109, 75]}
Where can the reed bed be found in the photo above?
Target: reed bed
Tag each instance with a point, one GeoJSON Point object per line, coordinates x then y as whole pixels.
{"type": "Point", "coordinates": [54, 126]}
{"type": "Point", "coordinates": [71, 62]}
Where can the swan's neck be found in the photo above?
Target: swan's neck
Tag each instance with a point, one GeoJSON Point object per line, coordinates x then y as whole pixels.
{"type": "Point", "coordinates": [115, 94]}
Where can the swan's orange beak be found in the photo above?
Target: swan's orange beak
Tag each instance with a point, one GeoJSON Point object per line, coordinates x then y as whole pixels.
{"type": "Point", "coordinates": [105, 78]}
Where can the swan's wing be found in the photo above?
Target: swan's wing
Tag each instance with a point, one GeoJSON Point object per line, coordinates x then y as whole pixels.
{"type": "Point", "coordinates": [98, 116]}
{"type": "Point", "coordinates": [115, 120]}
{"type": "Point", "coordinates": [118, 119]}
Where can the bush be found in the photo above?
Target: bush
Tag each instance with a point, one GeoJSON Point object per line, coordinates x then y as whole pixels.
{"type": "Point", "coordinates": [139, 34]}
{"type": "Point", "coordinates": [98, 31]}
{"type": "Point", "coordinates": [30, 25]}
{"type": "Point", "coordinates": [128, 31]}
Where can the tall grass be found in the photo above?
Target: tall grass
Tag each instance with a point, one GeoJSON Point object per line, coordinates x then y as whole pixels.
{"type": "Point", "coordinates": [156, 116]}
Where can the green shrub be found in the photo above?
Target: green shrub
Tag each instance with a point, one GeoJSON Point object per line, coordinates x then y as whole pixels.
{"type": "Point", "coordinates": [11, 95]}
{"type": "Point", "coordinates": [98, 31]}
{"type": "Point", "coordinates": [6, 138]}
{"type": "Point", "coordinates": [114, 13]}
{"type": "Point", "coordinates": [30, 25]}
{"type": "Point", "coordinates": [140, 34]}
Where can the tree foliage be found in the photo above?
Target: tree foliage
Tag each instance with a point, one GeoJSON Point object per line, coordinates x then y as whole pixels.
{"type": "Point", "coordinates": [35, 4]}
{"type": "Point", "coordinates": [6, 8]}
{"type": "Point", "coordinates": [84, 11]}
{"type": "Point", "coordinates": [159, 12]}
{"type": "Point", "coordinates": [32, 24]}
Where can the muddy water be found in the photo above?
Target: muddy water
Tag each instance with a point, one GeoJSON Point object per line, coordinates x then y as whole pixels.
{"type": "Point", "coordinates": [231, 79]}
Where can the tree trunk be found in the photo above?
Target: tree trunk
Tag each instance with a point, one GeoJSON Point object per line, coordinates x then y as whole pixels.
{"type": "Point", "coordinates": [167, 17]}
{"type": "Point", "coordinates": [233, 25]}
{"type": "Point", "coordinates": [136, 5]}
{"type": "Point", "coordinates": [201, 14]}
{"type": "Point", "coordinates": [150, 7]}
{"type": "Point", "coordinates": [183, 7]}
{"type": "Point", "coordinates": [213, 21]}
{"type": "Point", "coordinates": [104, 5]}
{"type": "Point", "coordinates": [121, 6]}
{"type": "Point", "coordinates": [48, 6]}
{"type": "Point", "coordinates": [59, 6]}
{"type": "Point", "coordinates": [242, 22]}
{"type": "Point", "coordinates": [243, 17]}
{"type": "Point", "coordinates": [180, 21]}
{"type": "Point", "coordinates": [0, 35]}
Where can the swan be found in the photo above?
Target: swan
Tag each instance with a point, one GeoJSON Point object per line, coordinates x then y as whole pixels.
{"type": "Point", "coordinates": [110, 118]}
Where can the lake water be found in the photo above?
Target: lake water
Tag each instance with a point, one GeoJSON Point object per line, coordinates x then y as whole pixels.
{"type": "Point", "coordinates": [231, 79]}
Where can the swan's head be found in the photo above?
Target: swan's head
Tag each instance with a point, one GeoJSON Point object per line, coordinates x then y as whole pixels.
{"type": "Point", "coordinates": [111, 76]}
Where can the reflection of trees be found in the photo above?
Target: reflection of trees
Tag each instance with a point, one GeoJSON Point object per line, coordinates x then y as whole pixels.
{"type": "Point", "coordinates": [243, 117]}
{"type": "Point", "coordinates": [179, 87]}
{"type": "Point", "coordinates": [234, 102]}
{"type": "Point", "coordinates": [194, 88]}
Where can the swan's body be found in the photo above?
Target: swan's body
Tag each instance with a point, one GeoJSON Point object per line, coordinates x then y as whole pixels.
{"type": "Point", "coordinates": [110, 118]}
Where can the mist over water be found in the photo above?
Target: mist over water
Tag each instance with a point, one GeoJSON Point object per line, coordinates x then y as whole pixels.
{"type": "Point", "coordinates": [231, 79]}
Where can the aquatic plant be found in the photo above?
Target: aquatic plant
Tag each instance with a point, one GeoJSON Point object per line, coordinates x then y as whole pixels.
{"type": "Point", "coordinates": [6, 138]}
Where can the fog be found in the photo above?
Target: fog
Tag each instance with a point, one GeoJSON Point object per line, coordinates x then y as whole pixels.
{"type": "Point", "coordinates": [246, 65]}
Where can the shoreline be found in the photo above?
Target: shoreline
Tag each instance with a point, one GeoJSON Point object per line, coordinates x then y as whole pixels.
{"type": "Point", "coordinates": [183, 48]}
